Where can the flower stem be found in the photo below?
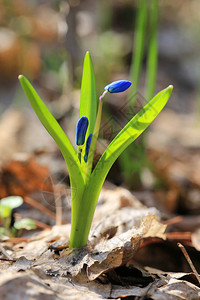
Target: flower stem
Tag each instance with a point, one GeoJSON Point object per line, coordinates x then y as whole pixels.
{"type": "Point", "coordinates": [79, 153]}
{"type": "Point", "coordinates": [94, 138]}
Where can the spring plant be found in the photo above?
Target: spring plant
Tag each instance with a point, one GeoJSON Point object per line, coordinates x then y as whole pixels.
{"type": "Point", "coordinates": [86, 182]}
{"type": "Point", "coordinates": [134, 159]}
{"type": "Point", "coordinates": [10, 226]}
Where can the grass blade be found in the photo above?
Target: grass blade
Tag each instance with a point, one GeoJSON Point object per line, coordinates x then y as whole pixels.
{"type": "Point", "coordinates": [138, 51]}
{"type": "Point", "coordinates": [153, 50]}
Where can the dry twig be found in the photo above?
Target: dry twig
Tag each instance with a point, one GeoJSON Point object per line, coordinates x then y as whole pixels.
{"type": "Point", "coordinates": [189, 261]}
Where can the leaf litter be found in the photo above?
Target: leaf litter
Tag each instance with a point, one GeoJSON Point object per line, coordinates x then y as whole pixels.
{"type": "Point", "coordinates": [104, 269]}
{"type": "Point", "coordinates": [110, 267]}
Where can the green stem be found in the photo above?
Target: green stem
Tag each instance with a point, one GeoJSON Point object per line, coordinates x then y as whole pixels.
{"type": "Point", "coordinates": [83, 204]}
{"type": "Point", "coordinates": [79, 153]}
{"type": "Point", "coordinates": [85, 212]}
{"type": "Point", "coordinates": [126, 160]}
{"type": "Point", "coordinates": [76, 196]}
{"type": "Point", "coordinates": [138, 51]}
{"type": "Point", "coordinates": [94, 138]}
{"type": "Point", "coordinates": [153, 50]}
{"type": "Point", "coordinates": [80, 225]}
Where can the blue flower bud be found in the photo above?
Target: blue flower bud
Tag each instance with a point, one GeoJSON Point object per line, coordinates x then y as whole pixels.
{"type": "Point", "coordinates": [81, 129]}
{"type": "Point", "coordinates": [87, 148]}
{"type": "Point", "coordinates": [117, 86]}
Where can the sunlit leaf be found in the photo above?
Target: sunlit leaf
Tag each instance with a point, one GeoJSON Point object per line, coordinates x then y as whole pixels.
{"type": "Point", "coordinates": [5, 211]}
{"type": "Point", "coordinates": [54, 129]}
{"type": "Point", "coordinates": [25, 223]}
{"type": "Point", "coordinates": [12, 201]}
{"type": "Point", "coordinates": [88, 101]}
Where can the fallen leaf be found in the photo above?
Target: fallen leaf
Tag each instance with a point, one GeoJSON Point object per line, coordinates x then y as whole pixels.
{"type": "Point", "coordinates": [23, 177]}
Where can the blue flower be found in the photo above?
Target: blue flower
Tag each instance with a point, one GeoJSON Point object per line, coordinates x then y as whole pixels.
{"type": "Point", "coordinates": [117, 86]}
{"type": "Point", "coordinates": [87, 148]}
{"type": "Point", "coordinates": [81, 129]}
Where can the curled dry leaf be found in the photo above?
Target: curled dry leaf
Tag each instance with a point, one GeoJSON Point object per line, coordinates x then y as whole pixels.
{"type": "Point", "coordinates": [109, 253]}
{"type": "Point", "coordinates": [120, 249]}
{"type": "Point", "coordinates": [122, 220]}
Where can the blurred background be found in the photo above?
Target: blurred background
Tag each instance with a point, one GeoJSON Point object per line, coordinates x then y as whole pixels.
{"type": "Point", "coordinates": [46, 41]}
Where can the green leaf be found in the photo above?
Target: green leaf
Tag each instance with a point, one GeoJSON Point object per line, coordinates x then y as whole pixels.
{"type": "Point", "coordinates": [54, 129]}
{"type": "Point", "coordinates": [25, 223]}
{"type": "Point", "coordinates": [12, 201]}
{"type": "Point", "coordinates": [152, 56]}
{"type": "Point", "coordinates": [88, 101]}
{"type": "Point", "coordinates": [138, 49]}
{"type": "Point", "coordinates": [5, 211]}
{"type": "Point", "coordinates": [130, 163]}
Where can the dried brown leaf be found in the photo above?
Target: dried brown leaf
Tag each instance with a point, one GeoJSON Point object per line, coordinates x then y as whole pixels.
{"type": "Point", "coordinates": [108, 254]}
{"type": "Point", "coordinates": [23, 177]}
{"type": "Point", "coordinates": [121, 220]}
{"type": "Point", "coordinates": [176, 290]}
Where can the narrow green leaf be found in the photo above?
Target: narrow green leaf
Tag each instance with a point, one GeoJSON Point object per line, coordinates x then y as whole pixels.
{"type": "Point", "coordinates": [138, 49]}
{"type": "Point", "coordinates": [93, 142]}
{"type": "Point", "coordinates": [129, 160]}
{"type": "Point", "coordinates": [152, 56]}
{"type": "Point", "coordinates": [88, 101]}
{"type": "Point", "coordinates": [54, 129]}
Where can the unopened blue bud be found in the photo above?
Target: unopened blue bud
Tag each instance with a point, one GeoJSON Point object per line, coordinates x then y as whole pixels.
{"type": "Point", "coordinates": [87, 148]}
{"type": "Point", "coordinates": [117, 86]}
{"type": "Point", "coordinates": [81, 129]}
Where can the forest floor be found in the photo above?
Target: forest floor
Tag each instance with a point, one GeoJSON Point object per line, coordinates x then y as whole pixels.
{"type": "Point", "coordinates": [137, 238]}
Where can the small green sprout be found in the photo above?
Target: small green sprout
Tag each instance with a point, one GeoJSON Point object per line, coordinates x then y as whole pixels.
{"type": "Point", "coordinates": [86, 183]}
{"type": "Point", "coordinates": [10, 226]}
